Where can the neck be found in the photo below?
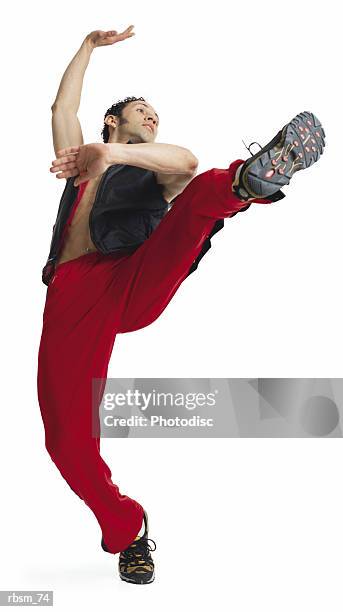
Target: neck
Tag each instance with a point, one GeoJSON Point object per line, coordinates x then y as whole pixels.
{"type": "Point", "coordinates": [121, 140]}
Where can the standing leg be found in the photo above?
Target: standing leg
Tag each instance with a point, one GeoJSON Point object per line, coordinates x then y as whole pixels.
{"type": "Point", "coordinates": [79, 327]}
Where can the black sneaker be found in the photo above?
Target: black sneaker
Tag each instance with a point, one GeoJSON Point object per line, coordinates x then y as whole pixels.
{"type": "Point", "coordinates": [135, 563]}
{"type": "Point", "coordinates": [297, 146]}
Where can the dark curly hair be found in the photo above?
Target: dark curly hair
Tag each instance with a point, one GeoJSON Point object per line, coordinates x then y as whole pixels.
{"type": "Point", "coordinates": [116, 109]}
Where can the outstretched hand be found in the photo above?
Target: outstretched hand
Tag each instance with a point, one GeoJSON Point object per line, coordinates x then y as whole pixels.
{"type": "Point", "coordinates": [99, 38]}
{"type": "Point", "coordinates": [83, 161]}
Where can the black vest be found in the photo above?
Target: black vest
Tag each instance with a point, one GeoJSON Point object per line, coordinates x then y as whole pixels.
{"type": "Point", "coordinates": [128, 206]}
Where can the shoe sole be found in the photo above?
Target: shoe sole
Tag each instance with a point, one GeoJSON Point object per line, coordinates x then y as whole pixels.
{"type": "Point", "coordinates": [135, 581]}
{"type": "Point", "coordinates": [297, 146]}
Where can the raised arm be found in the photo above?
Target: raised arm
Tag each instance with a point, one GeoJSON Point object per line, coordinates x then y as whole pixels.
{"type": "Point", "coordinates": [66, 128]}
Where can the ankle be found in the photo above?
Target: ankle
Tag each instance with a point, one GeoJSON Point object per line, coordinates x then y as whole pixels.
{"type": "Point", "coordinates": [141, 531]}
{"type": "Point", "coordinates": [236, 183]}
{"type": "Point", "coordinates": [236, 179]}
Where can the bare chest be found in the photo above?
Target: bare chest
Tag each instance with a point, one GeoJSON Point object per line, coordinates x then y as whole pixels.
{"type": "Point", "coordinates": [86, 202]}
{"type": "Point", "coordinates": [77, 240]}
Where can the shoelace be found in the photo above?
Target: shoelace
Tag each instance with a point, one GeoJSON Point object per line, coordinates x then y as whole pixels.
{"type": "Point", "coordinates": [138, 551]}
{"type": "Point", "coordinates": [251, 144]}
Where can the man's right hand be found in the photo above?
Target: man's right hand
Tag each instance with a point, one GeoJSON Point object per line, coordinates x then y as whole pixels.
{"type": "Point", "coordinates": [98, 38]}
{"type": "Point", "coordinates": [83, 161]}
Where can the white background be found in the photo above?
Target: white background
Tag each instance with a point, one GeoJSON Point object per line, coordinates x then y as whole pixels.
{"type": "Point", "coordinates": [239, 524]}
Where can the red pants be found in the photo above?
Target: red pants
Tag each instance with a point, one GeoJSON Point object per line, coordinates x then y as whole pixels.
{"type": "Point", "coordinates": [89, 300]}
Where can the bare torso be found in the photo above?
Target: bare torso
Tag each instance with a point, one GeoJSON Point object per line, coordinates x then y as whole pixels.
{"type": "Point", "coordinates": [77, 239]}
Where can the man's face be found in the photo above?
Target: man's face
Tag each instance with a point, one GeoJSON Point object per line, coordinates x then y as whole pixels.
{"type": "Point", "coordinates": [139, 123]}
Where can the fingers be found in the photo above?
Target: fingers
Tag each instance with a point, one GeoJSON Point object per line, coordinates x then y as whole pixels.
{"type": "Point", "coordinates": [67, 173]}
{"type": "Point", "coordinates": [124, 36]}
{"type": "Point", "coordinates": [57, 166]}
{"type": "Point", "coordinates": [65, 165]}
{"type": "Point", "coordinates": [68, 150]}
{"type": "Point", "coordinates": [67, 159]}
{"type": "Point", "coordinates": [112, 36]}
{"type": "Point", "coordinates": [105, 38]}
{"type": "Point", "coordinates": [126, 33]}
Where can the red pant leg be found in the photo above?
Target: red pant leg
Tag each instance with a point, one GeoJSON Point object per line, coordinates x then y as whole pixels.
{"type": "Point", "coordinates": [151, 275]}
{"type": "Point", "coordinates": [79, 327]}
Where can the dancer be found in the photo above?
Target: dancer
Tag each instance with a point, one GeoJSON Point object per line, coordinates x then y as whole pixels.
{"type": "Point", "coordinates": [133, 222]}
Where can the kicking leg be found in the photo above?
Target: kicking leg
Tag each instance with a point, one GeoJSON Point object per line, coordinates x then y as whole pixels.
{"type": "Point", "coordinates": [152, 275]}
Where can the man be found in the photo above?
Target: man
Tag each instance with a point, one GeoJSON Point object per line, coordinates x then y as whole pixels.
{"type": "Point", "coordinates": [132, 220]}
